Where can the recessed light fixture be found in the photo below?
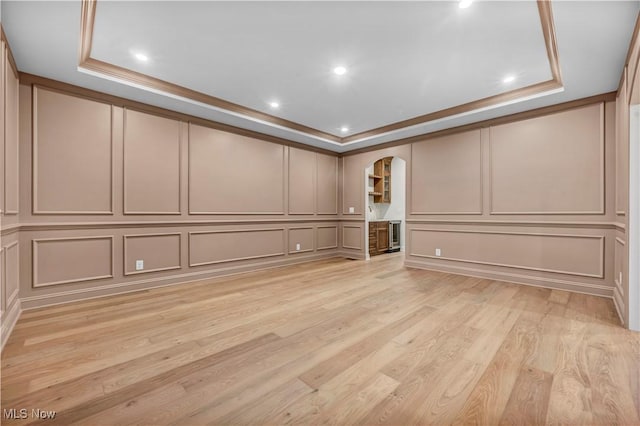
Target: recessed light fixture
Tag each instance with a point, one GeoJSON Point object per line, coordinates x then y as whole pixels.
{"type": "Point", "coordinates": [509, 79]}
{"type": "Point", "coordinates": [340, 70]}
{"type": "Point", "coordinates": [464, 4]}
{"type": "Point", "coordinates": [274, 104]}
{"type": "Point", "coordinates": [344, 129]}
{"type": "Point", "coordinates": [141, 57]}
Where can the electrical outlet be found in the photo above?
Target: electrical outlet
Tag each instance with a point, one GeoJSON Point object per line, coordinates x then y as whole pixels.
{"type": "Point", "coordinates": [139, 265]}
{"type": "Point", "coordinates": [438, 252]}
{"type": "Point", "coordinates": [298, 247]}
{"type": "Point", "coordinates": [352, 209]}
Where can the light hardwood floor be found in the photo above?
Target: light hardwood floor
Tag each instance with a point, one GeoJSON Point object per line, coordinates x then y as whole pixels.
{"type": "Point", "coordinates": [335, 341]}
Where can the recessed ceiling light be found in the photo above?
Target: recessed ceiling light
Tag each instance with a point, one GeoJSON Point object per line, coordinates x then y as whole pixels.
{"type": "Point", "coordinates": [274, 104]}
{"type": "Point", "coordinates": [464, 4]}
{"type": "Point", "coordinates": [509, 79]}
{"type": "Point", "coordinates": [340, 70]}
{"type": "Point", "coordinates": [344, 129]}
{"type": "Point", "coordinates": [141, 57]}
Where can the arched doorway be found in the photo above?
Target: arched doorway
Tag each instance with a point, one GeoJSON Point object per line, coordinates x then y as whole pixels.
{"type": "Point", "coordinates": [385, 206]}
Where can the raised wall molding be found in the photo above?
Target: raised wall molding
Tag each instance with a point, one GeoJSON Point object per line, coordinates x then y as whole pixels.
{"type": "Point", "coordinates": [602, 181]}
{"type": "Point", "coordinates": [35, 260]}
{"type": "Point", "coordinates": [359, 228]}
{"type": "Point", "coordinates": [34, 171]}
{"type": "Point", "coordinates": [335, 228]}
{"type": "Point", "coordinates": [227, 231]}
{"type": "Point", "coordinates": [478, 211]}
{"type": "Point", "coordinates": [126, 210]}
{"type": "Point", "coordinates": [144, 271]}
{"type": "Point", "coordinates": [313, 239]}
{"type": "Point", "coordinates": [13, 295]}
{"type": "Point", "coordinates": [601, 238]}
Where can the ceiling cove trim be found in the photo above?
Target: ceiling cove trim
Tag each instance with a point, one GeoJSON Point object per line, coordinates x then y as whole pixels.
{"type": "Point", "coordinates": [524, 93]}
{"type": "Point", "coordinates": [12, 61]}
{"type": "Point", "coordinates": [518, 116]}
{"type": "Point", "coordinates": [123, 75]}
{"type": "Point", "coordinates": [635, 39]}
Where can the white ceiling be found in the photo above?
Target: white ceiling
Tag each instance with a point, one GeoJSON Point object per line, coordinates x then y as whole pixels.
{"type": "Point", "coordinates": [404, 59]}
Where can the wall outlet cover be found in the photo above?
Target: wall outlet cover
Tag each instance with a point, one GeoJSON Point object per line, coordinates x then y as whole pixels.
{"type": "Point", "coordinates": [139, 265]}
{"type": "Point", "coordinates": [352, 209]}
{"type": "Point", "coordinates": [298, 247]}
{"type": "Point", "coordinates": [438, 252]}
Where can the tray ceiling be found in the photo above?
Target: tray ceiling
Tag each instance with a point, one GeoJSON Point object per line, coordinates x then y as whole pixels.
{"type": "Point", "coordinates": [403, 60]}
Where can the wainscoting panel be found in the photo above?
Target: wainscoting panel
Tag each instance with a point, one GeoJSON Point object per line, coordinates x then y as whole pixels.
{"type": "Point", "coordinates": [352, 237]}
{"type": "Point", "coordinates": [233, 174]}
{"type": "Point", "coordinates": [619, 262]}
{"type": "Point", "coordinates": [68, 260]}
{"type": "Point", "coordinates": [622, 149]}
{"type": "Point", "coordinates": [210, 247]}
{"type": "Point", "coordinates": [11, 273]}
{"type": "Point", "coordinates": [3, 111]}
{"type": "Point", "coordinates": [302, 167]}
{"type": "Point", "coordinates": [577, 255]}
{"type": "Point", "coordinates": [3, 282]}
{"type": "Point", "coordinates": [549, 165]}
{"type": "Point", "coordinates": [327, 186]}
{"type": "Point", "coordinates": [11, 141]}
{"type": "Point", "coordinates": [72, 155]}
{"type": "Point", "coordinates": [159, 252]}
{"type": "Point", "coordinates": [302, 236]}
{"type": "Point", "coordinates": [448, 178]}
{"type": "Point", "coordinates": [352, 185]}
{"type": "Point", "coordinates": [151, 164]}
{"type": "Point", "coordinates": [326, 237]}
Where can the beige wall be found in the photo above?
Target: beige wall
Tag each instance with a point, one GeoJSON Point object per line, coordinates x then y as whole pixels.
{"type": "Point", "coordinates": [628, 94]}
{"type": "Point", "coordinates": [529, 201]}
{"type": "Point", "coordinates": [89, 186]}
{"type": "Point", "coordinates": [113, 184]}
{"type": "Point", "coordinates": [10, 247]}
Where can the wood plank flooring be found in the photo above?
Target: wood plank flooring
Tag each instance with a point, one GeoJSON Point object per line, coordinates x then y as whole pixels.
{"type": "Point", "coordinates": [335, 342]}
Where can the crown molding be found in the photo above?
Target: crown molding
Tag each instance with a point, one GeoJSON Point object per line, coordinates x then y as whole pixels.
{"type": "Point", "coordinates": [137, 79]}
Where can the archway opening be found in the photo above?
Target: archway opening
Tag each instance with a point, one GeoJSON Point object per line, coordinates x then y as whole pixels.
{"type": "Point", "coordinates": [385, 206]}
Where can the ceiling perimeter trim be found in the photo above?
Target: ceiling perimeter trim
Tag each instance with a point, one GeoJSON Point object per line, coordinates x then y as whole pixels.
{"type": "Point", "coordinates": [12, 61]}
{"type": "Point", "coordinates": [82, 92]}
{"type": "Point", "coordinates": [549, 33]}
{"type": "Point", "coordinates": [511, 118]}
{"type": "Point", "coordinates": [90, 71]}
{"type": "Point", "coordinates": [144, 81]}
{"type": "Point", "coordinates": [635, 39]}
{"type": "Point", "coordinates": [523, 93]}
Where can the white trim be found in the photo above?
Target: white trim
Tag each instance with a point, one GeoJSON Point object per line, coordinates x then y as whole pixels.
{"type": "Point", "coordinates": [634, 218]}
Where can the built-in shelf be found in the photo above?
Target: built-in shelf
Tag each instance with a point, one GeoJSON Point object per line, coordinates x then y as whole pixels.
{"type": "Point", "coordinates": [375, 193]}
{"type": "Point", "coordinates": [375, 177]}
{"type": "Point", "coordinates": [382, 181]}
